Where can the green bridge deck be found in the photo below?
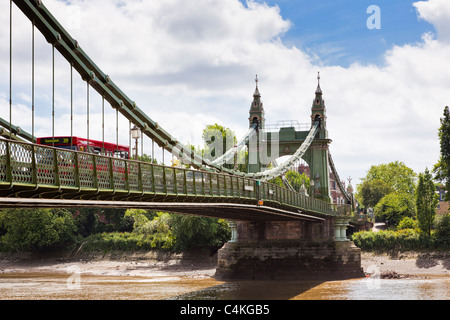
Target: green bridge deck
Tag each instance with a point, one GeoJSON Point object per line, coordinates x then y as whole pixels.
{"type": "Point", "coordinates": [30, 171]}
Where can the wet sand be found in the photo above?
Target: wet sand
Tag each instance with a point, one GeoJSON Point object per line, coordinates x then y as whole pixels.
{"type": "Point", "coordinates": [195, 265]}
{"type": "Point", "coordinates": [407, 263]}
{"type": "Point", "coordinates": [201, 265]}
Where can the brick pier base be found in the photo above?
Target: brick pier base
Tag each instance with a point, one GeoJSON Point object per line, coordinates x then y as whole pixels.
{"type": "Point", "coordinates": [283, 250]}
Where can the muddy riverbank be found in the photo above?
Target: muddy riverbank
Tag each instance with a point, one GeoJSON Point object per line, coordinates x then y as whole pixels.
{"type": "Point", "coordinates": [200, 264]}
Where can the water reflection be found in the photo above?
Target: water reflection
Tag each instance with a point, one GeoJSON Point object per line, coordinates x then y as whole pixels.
{"type": "Point", "coordinates": [56, 286]}
{"type": "Point", "coordinates": [252, 290]}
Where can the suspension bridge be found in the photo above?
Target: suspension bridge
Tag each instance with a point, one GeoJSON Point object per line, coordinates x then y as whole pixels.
{"type": "Point", "coordinates": [50, 172]}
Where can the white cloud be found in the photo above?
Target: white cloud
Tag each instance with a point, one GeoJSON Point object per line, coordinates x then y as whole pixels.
{"type": "Point", "coordinates": [188, 64]}
{"type": "Point", "coordinates": [436, 12]}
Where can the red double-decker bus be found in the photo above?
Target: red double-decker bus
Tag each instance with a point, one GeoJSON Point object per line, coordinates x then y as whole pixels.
{"type": "Point", "coordinates": [81, 144]}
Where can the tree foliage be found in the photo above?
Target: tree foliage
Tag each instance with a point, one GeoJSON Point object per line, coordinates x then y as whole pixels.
{"type": "Point", "coordinates": [384, 179]}
{"type": "Point", "coordinates": [155, 230]}
{"type": "Point", "coordinates": [193, 231]}
{"type": "Point", "coordinates": [426, 202]}
{"type": "Point", "coordinates": [296, 179]}
{"type": "Point", "coordinates": [442, 168]}
{"type": "Point", "coordinates": [179, 232]}
{"type": "Point", "coordinates": [394, 207]}
{"type": "Point", "coordinates": [372, 191]}
{"type": "Point", "coordinates": [35, 228]}
{"type": "Point", "coordinates": [395, 174]}
{"type": "Point", "coordinates": [218, 140]}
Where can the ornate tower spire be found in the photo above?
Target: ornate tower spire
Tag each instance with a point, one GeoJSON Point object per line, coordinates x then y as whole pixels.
{"type": "Point", "coordinates": [318, 110]}
{"type": "Point", "coordinates": [318, 90]}
{"type": "Point", "coordinates": [256, 93]}
{"type": "Point", "coordinates": [257, 109]}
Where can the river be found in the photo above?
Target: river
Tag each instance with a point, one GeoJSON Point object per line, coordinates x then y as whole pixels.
{"type": "Point", "coordinates": [78, 286]}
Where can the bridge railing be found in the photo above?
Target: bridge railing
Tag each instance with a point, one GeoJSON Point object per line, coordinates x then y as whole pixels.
{"type": "Point", "coordinates": [30, 170]}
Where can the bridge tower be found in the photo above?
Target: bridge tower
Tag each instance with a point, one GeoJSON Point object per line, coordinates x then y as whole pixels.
{"type": "Point", "coordinates": [317, 157]}
{"type": "Point", "coordinates": [257, 119]}
{"type": "Point", "coordinates": [290, 140]}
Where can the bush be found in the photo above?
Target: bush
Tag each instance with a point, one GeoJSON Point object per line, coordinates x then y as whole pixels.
{"type": "Point", "coordinates": [405, 239]}
{"type": "Point", "coordinates": [191, 232]}
{"type": "Point", "coordinates": [443, 227]}
{"type": "Point", "coordinates": [35, 229]}
{"type": "Point", "coordinates": [127, 241]}
{"type": "Point", "coordinates": [155, 232]}
{"type": "Point", "coordinates": [407, 223]}
{"type": "Point", "coordinates": [393, 207]}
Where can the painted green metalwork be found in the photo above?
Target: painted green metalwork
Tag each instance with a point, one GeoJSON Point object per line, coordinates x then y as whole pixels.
{"type": "Point", "coordinates": [16, 132]}
{"type": "Point", "coordinates": [102, 83]}
{"type": "Point", "coordinates": [35, 171]}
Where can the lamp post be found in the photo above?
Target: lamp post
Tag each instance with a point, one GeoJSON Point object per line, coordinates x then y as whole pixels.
{"type": "Point", "coordinates": [135, 133]}
{"type": "Point", "coordinates": [235, 149]}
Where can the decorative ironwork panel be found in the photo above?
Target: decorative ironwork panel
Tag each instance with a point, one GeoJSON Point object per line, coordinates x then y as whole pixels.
{"type": "Point", "coordinates": [237, 185]}
{"type": "Point", "coordinates": [66, 167]}
{"type": "Point", "coordinates": [86, 170]}
{"type": "Point", "coordinates": [103, 172]}
{"type": "Point", "coordinates": [44, 166]}
{"type": "Point", "coordinates": [229, 183]}
{"type": "Point", "coordinates": [133, 176]}
{"type": "Point", "coordinates": [146, 175]}
{"type": "Point", "coordinates": [207, 183]}
{"type": "Point", "coordinates": [221, 186]}
{"type": "Point", "coordinates": [21, 162]}
{"type": "Point", "coordinates": [190, 177]}
{"type": "Point", "coordinates": [119, 174]}
{"type": "Point", "coordinates": [159, 179]}
{"type": "Point", "coordinates": [180, 181]}
{"type": "Point", "coordinates": [170, 181]}
{"type": "Point", "coordinates": [248, 188]}
{"type": "Point", "coordinates": [3, 161]}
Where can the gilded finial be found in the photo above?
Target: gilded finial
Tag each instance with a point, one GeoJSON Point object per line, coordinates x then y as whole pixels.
{"type": "Point", "coordinates": [318, 90]}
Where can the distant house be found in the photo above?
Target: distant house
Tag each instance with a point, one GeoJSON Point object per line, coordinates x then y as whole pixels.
{"type": "Point", "coordinates": [336, 194]}
{"type": "Point", "coordinates": [443, 205]}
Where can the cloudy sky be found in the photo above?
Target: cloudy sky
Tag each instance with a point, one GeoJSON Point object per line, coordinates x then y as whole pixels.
{"type": "Point", "coordinates": [192, 63]}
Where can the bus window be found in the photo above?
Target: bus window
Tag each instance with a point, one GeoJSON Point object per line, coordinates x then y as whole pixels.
{"type": "Point", "coordinates": [118, 154]}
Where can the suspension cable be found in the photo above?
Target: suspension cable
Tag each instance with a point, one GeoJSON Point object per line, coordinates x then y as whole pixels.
{"type": "Point", "coordinates": [71, 106]}
{"type": "Point", "coordinates": [32, 80]}
{"type": "Point", "coordinates": [230, 153]}
{"type": "Point", "coordinates": [280, 170]}
{"type": "Point", "coordinates": [87, 121]}
{"type": "Point", "coordinates": [53, 95]}
{"type": "Point", "coordinates": [103, 123]}
{"type": "Point", "coordinates": [10, 69]}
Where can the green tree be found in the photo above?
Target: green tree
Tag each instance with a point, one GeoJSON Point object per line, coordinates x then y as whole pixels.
{"type": "Point", "coordinates": [393, 207]}
{"type": "Point", "coordinates": [426, 202]}
{"type": "Point", "coordinates": [383, 179]}
{"type": "Point", "coordinates": [156, 230]}
{"type": "Point", "coordinates": [218, 140]}
{"type": "Point", "coordinates": [442, 168]}
{"type": "Point", "coordinates": [193, 231]}
{"type": "Point", "coordinates": [370, 192]}
{"type": "Point", "coordinates": [36, 229]}
{"type": "Point", "coordinates": [147, 158]}
{"type": "Point", "coordinates": [395, 174]}
{"type": "Point", "coordinates": [407, 223]}
{"type": "Point", "coordinates": [296, 179]}
{"type": "Point", "coordinates": [443, 227]}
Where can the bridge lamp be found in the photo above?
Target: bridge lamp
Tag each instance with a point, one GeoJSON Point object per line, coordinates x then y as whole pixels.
{"type": "Point", "coordinates": [135, 134]}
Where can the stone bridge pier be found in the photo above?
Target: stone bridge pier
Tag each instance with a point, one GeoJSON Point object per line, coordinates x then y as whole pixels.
{"type": "Point", "coordinates": [289, 250]}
